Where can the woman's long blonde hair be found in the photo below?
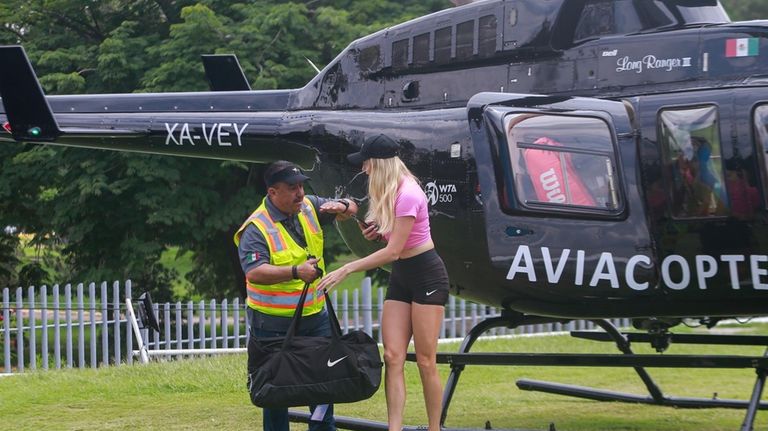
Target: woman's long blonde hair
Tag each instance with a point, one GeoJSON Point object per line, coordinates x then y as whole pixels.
{"type": "Point", "coordinates": [384, 177]}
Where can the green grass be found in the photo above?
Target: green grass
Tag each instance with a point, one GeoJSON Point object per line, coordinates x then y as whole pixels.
{"type": "Point", "coordinates": [209, 394]}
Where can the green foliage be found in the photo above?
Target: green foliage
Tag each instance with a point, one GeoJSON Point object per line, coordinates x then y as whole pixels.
{"type": "Point", "coordinates": [745, 10]}
{"type": "Point", "coordinates": [8, 258]}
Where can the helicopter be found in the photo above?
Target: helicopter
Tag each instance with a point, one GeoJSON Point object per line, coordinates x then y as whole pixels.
{"type": "Point", "coordinates": [577, 164]}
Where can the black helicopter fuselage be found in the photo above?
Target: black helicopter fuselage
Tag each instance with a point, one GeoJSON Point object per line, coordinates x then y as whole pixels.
{"type": "Point", "coordinates": [581, 159]}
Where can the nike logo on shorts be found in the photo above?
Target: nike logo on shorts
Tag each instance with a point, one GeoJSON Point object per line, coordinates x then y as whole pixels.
{"type": "Point", "coordinates": [332, 363]}
{"type": "Point", "coordinates": [431, 292]}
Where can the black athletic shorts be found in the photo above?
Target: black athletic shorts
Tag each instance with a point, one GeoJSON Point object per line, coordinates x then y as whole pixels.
{"type": "Point", "coordinates": [421, 279]}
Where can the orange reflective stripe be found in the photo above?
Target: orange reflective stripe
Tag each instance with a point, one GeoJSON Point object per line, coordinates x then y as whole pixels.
{"type": "Point", "coordinates": [310, 216]}
{"type": "Point", "coordinates": [310, 302]}
{"type": "Point", "coordinates": [270, 239]}
{"type": "Point", "coordinates": [280, 300]}
{"type": "Point", "coordinates": [276, 241]}
{"type": "Point", "coordinates": [295, 293]}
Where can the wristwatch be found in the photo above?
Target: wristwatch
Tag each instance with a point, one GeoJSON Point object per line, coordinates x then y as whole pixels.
{"type": "Point", "coordinates": [346, 205]}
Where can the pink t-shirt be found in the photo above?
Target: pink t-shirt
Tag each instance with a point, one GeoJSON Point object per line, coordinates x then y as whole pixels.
{"type": "Point", "coordinates": [412, 202]}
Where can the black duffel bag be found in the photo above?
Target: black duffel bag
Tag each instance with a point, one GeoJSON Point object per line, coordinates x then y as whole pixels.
{"type": "Point", "coordinates": [297, 370]}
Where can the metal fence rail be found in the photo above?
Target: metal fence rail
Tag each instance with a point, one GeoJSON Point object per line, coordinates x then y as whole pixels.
{"type": "Point", "coordinates": [86, 326]}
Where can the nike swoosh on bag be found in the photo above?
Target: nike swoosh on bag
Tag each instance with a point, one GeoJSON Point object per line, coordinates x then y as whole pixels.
{"type": "Point", "coordinates": [332, 363]}
{"type": "Point", "coordinates": [430, 293]}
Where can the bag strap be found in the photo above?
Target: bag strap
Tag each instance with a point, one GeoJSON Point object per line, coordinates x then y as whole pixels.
{"type": "Point", "coordinates": [335, 327]}
{"type": "Point", "coordinates": [296, 319]}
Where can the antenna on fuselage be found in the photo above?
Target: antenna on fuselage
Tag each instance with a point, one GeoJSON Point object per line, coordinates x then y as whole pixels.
{"type": "Point", "coordinates": [312, 64]}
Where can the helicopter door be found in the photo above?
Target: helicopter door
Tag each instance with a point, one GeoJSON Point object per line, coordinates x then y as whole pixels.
{"type": "Point", "coordinates": [557, 200]}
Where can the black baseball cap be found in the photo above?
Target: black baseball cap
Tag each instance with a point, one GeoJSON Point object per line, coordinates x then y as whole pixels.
{"type": "Point", "coordinates": [283, 172]}
{"type": "Point", "coordinates": [375, 147]}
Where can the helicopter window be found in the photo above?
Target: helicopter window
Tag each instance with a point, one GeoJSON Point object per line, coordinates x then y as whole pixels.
{"type": "Point", "coordinates": [512, 17]}
{"type": "Point", "coordinates": [400, 53]}
{"type": "Point", "coordinates": [421, 49]}
{"type": "Point", "coordinates": [486, 44]}
{"type": "Point", "coordinates": [761, 132]}
{"type": "Point", "coordinates": [562, 161]}
{"type": "Point", "coordinates": [597, 19]}
{"type": "Point", "coordinates": [692, 162]}
{"type": "Point", "coordinates": [608, 17]}
{"type": "Point", "coordinates": [369, 59]}
{"type": "Point", "coordinates": [443, 45]}
{"type": "Point", "coordinates": [465, 37]}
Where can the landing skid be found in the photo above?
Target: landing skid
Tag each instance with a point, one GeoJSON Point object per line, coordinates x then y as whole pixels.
{"type": "Point", "coordinates": [354, 424]}
{"type": "Point", "coordinates": [458, 361]}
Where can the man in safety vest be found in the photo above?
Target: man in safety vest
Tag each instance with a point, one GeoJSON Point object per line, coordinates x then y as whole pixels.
{"type": "Point", "coordinates": [281, 249]}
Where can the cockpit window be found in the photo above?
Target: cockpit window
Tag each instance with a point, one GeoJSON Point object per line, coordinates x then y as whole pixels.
{"type": "Point", "coordinates": [692, 162]}
{"type": "Point", "coordinates": [562, 161]}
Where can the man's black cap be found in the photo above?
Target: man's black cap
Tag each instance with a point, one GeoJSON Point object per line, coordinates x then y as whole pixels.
{"type": "Point", "coordinates": [375, 147]}
{"type": "Point", "coordinates": [283, 172]}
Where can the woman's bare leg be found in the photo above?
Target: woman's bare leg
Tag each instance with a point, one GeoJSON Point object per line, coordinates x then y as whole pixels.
{"type": "Point", "coordinates": [396, 333]}
{"type": "Point", "coordinates": [426, 320]}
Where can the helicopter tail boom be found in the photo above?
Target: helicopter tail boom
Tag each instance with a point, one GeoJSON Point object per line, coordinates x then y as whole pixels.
{"type": "Point", "coordinates": [243, 125]}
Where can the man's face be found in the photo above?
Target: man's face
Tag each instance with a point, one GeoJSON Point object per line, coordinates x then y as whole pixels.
{"type": "Point", "coordinates": [287, 197]}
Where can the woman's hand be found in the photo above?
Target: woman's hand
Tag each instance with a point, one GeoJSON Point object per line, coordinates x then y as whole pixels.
{"type": "Point", "coordinates": [370, 232]}
{"type": "Point", "coordinates": [332, 279]}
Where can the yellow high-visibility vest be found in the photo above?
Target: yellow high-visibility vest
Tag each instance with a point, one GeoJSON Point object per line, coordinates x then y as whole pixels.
{"type": "Point", "coordinates": [281, 299]}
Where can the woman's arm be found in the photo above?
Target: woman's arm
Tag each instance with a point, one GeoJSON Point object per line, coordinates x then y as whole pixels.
{"type": "Point", "coordinates": [390, 253]}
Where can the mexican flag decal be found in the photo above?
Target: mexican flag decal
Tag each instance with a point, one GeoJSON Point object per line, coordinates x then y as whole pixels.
{"type": "Point", "coordinates": [745, 47]}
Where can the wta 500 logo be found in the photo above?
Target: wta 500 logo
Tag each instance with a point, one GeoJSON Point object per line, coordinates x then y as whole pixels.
{"type": "Point", "coordinates": [439, 193]}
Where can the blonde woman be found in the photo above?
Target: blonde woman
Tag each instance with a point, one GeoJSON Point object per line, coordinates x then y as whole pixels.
{"type": "Point", "coordinates": [418, 286]}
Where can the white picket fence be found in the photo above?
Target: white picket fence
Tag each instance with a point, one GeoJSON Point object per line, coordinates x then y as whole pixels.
{"type": "Point", "coordinates": [86, 326]}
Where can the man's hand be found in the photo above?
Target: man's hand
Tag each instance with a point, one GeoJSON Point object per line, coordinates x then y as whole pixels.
{"type": "Point", "coordinates": [307, 271]}
{"type": "Point", "coordinates": [343, 208]}
{"type": "Point", "coordinates": [334, 207]}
